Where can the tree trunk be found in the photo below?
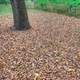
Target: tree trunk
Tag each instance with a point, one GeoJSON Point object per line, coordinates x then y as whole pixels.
{"type": "Point", "coordinates": [20, 15]}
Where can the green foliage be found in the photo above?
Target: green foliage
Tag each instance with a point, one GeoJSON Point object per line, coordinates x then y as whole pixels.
{"type": "Point", "coordinates": [61, 6]}
{"type": "Point", "coordinates": [71, 7]}
{"type": "Point", "coordinates": [4, 1]}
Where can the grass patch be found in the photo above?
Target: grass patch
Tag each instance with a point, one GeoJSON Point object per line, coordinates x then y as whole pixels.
{"type": "Point", "coordinates": [56, 8]}
{"type": "Point", "coordinates": [5, 9]}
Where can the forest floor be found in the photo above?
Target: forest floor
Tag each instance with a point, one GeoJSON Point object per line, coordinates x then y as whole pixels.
{"type": "Point", "coordinates": [50, 50]}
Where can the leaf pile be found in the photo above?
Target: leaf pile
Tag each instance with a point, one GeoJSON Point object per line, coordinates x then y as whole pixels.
{"type": "Point", "coordinates": [50, 50]}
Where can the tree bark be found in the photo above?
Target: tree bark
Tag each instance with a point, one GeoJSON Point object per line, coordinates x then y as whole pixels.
{"type": "Point", "coordinates": [20, 15]}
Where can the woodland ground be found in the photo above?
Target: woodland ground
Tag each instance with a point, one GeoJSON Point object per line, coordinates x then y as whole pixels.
{"type": "Point", "coordinates": [50, 50]}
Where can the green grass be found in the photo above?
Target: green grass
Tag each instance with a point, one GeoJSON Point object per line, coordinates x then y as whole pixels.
{"type": "Point", "coordinates": [61, 8]}
{"type": "Point", "coordinates": [5, 9]}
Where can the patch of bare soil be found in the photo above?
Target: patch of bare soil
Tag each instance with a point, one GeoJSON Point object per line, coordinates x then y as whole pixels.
{"type": "Point", "coordinates": [50, 50]}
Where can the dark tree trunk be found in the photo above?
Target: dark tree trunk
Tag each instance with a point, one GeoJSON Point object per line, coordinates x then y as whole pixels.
{"type": "Point", "coordinates": [20, 15]}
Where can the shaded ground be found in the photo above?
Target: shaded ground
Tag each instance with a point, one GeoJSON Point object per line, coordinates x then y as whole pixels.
{"type": "Point", "coordinates": [48, 51]}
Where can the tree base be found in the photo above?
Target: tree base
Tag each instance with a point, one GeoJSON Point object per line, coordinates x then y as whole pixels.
{"type": "Point", "coordinates": [19, 29]}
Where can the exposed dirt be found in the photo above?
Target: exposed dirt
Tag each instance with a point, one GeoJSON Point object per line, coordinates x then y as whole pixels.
{"type": "Point", "coordinates": [50, 50]}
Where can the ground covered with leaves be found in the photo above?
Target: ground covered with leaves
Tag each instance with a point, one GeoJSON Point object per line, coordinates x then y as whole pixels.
{"type": "Point", "coordinates": [50, 50]}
